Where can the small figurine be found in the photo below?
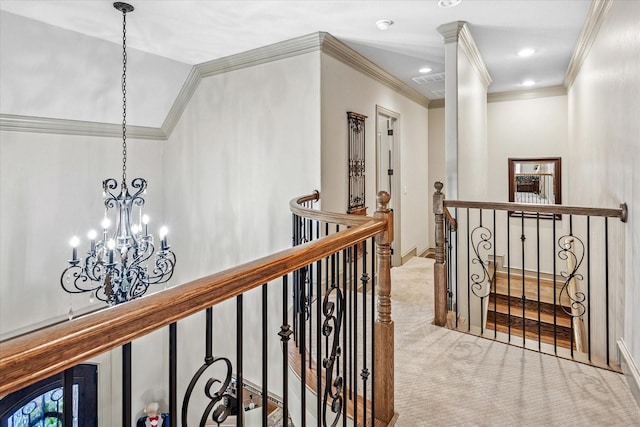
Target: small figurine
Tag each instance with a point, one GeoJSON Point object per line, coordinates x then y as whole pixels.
{"type": "Point", "coordinates": [153, 417]}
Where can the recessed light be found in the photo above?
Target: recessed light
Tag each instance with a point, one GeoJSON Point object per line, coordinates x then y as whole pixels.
{"type": "Point", "coordinates": [526, 52]}
{"type": "Point", "coordinates": [384, 24]}
{"type": "Point", "coordinates": [528, 83]}
{"type": "Point", "coordinates": [448, 3]}
{"type": "Point", "coordinates": [424, 70]}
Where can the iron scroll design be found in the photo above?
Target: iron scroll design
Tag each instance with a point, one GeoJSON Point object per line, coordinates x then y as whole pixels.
{"type": "Point", "coordinates": [481, 240]}
{"type": "Point", "coordinates": [220, 397]}
{"type": "Point", "coordinates": [334, 386]}
{"type": "Point", "coordinates": [572, 251]}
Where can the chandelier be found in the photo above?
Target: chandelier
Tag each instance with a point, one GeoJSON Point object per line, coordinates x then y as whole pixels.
{"type": "Point", "coordinates": [122, 264]}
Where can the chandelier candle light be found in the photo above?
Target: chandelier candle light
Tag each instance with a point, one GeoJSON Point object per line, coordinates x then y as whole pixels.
{"type": "Point", "coordinates": [120, 267]}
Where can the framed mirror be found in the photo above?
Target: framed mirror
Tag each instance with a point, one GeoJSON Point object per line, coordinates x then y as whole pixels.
{"type": "Point", "coordinates": [535, 181]}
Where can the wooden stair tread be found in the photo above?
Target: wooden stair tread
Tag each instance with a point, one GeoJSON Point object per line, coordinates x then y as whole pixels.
{"type": "Point", "coordinates": [546, 313]}
{"type": "Point", "coordinates": [513, 287]}
{"type": "Point", "coordinates": [531, 334]}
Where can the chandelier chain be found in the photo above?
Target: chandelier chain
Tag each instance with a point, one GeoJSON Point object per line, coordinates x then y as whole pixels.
{"type": "Point", "coordinates": [124, 99]}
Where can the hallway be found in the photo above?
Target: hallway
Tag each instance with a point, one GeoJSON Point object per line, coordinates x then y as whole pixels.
{"type": "Point", "coordinates": [447, 378]}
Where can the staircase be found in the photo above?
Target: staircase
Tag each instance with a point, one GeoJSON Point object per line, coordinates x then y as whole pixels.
{"type": "Point", "coordinates": [544, 318]}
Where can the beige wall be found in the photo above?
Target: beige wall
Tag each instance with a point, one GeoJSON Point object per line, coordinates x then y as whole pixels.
{"type": "Point", "coordinates": [436, 161]}
{"type": "Point", "coordinates": [345, 89]}
{"type": "Point", "coordinates": [472, 131]}
{"type": "Point", "coordinates": [248, 142]}
{"type": "Point", "coordinates": [604, 148]}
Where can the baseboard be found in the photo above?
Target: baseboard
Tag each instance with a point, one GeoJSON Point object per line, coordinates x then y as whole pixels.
{"type": "Point", "coordinates": [412, 253]}
{"type": "Point", "coordinates": [428, 253]}
{"type": "Point", "coordinates": [630, 370]}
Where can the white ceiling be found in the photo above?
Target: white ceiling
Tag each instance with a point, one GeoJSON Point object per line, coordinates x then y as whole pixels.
{"type": "Point", "coordinates": [193, 32]}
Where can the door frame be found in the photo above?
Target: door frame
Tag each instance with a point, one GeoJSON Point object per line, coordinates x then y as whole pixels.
{"type": "Point", "coordinates": [395, 203]}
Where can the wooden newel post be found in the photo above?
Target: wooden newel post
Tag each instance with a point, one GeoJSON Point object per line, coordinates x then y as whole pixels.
{"type": "Point", "coordinates": [440, 268]}
{"type": "Point", "coordinates": [383, 327]}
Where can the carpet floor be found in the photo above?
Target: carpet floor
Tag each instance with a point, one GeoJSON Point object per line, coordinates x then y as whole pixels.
{"type": "Point", "coordinates": [448, 378]}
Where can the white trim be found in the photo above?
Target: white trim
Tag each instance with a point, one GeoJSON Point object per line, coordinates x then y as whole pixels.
{"type": "Point", "coordinates": [318, 41]}
{"type": "Point", "coordinates": [471, 51]}
{"type": "Point", "coordinates": [450, 32]}
{"type": "Point", "coordinates": [630, 369]}
{"type": "Point", "coordinates": [597, 12]}
{"type": "Point", "coordinates": [340, 51]}
{"type": "Point", "coordinates": [180, 103]}
{"type": "Point", "coordinates": [15, 123]}
{"type": "Point", "coordinates": [515, 95]}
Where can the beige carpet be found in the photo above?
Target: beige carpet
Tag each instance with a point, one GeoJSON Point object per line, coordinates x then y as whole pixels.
{"type": "Point", "coordinates": [447, 378]}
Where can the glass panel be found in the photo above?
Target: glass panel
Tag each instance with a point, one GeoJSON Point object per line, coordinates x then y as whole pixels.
{"type": "Point", "coordinates": [44, 410]}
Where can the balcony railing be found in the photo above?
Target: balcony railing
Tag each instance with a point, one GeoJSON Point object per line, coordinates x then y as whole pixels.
{"type": "Point", "coordinates": [57, 349]}
{"type": "Point", "coordinates": [544, 277]}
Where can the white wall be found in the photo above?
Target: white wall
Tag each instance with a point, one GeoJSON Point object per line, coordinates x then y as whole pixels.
{"type": "Point", "coordinates": [604, 152]}
{"type": "Point", "coordinates": [345, 89]}
{"type": "Point", "coordinates": [472, 131]}
{"type": "Point", "coordinates": [248, 142]}
{"type": "Point", "coordinates": [524, 128]}
{"type": "Point", "coordinates": [50, 190]}
{"type": "Point", "coordinates": [77, 77]}
{"type": "Point", "coordinates": [436, 162]}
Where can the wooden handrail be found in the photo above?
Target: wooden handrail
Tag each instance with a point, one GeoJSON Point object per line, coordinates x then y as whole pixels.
{"type": "Point", "coordinates": [620, 213]}
{"type": "Point", "coordinates": [325, 216]}
{"type": "Point", "coordinates": [38, 355]}
{"type": "Point", "coordinates": [450, 219]}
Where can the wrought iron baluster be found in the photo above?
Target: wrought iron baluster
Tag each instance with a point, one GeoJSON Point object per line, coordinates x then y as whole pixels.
{"type": "Point", "coordinates": [173, 374]}
{"type": "Point", "coordinates": [333, 395]}
{"type": "Point", "coordinates": [364, 373]}
{"type": "Point", "coordinates": [345, 293]}
{"type": "Point", "coordinates": [589, 286]}
{"type": "Point", "coordinates": [508, 277]}
{"type": "Point", "coordinates": [523, 238]}
{"type": "Point", "coordinates": [480, 241]}
{"type": "Point", "coordinates": [126, 385]}
{"type": "Point", "coordinates": [285, 335]}
{"type": "Point", "coordinates": [538, 279]}
{"type": "Point", "coordinates": [606, 281]}
{"type": "Point", "coordinates": [239, 357]}
{"type": "Point", "coordinates": [265, 353]}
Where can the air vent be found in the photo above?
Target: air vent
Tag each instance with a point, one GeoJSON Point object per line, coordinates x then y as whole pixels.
{"type": "Point", "coordinates": [431, 78]}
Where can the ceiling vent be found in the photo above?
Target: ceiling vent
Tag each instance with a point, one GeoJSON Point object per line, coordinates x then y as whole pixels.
{"type": "Point", "coordinates": [431, 78]}
{"type": "Point", "coordinates": [433, 82]}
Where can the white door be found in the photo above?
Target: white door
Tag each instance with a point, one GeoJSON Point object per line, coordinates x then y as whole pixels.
{"type": "Point", "coordinates": [388, 169]}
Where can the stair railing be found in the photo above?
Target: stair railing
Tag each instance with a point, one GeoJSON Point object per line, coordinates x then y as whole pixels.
{"type": "Point", "coordinates": [545, 277]}
{"type": "Point", "coordinates": [55, 350]}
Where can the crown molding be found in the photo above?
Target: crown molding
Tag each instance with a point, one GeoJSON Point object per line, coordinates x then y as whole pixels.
{"type": "Point", "coordinates": [16, 123]}
{"type": "Point", "coordinates": [318, 41]}
{"type": "Point", "coordinates": [458, 32]}
{"type": "Point", "coordinates": [436, 103]}
{"type": "Point", "coordinates": [515, 95]}
{"type": "Point", "coordinates": [595, 17]}
{"type": "Point", "coordinates": [250, 58]}
{"type": "Point", "coordinates": [470, 49]}
{"type": "Point", "coordinates": [340, 51]}
{"type": "Point", "coordinates": [450, 32]}
{"type": "Point", "coordinates": [518, 95]}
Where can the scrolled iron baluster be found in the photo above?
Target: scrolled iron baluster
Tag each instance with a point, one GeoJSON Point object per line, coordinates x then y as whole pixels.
{"type": "Point", "coordinates": [219, 407]}
{"type": "Point", "coordinates": [334, 387]}
{"type": "Point", "coordinates": [567, 253]}
{"type": "Point", "coordinates": [485, 235]}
